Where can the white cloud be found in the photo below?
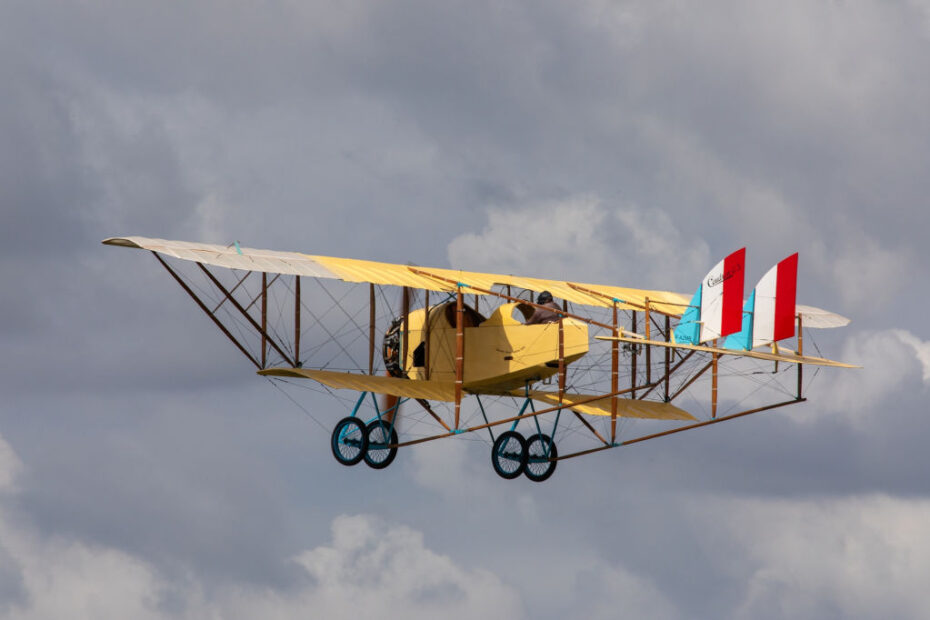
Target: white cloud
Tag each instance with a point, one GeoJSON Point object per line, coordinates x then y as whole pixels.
{"type": "Point", "coordinates": [889, 359]}
{"type": "Point", "coordinates": [369, 568]}
{"type": "Point", "coordinates": [859, 557]}
{"type": "Point", "coordinates": [383, 569]}
{"type": "Point", "coordinates": [534, 240]}
{"type": "Point", "coordinates": [459, 471]}
{"type": "Point", "coordinates": [604, 590]}
{"type": "Point", "coordinates": [10, 467]}
{"type": "Point", "coordinates": [436, 463]}
{"type": "Point", "coordinates": [580, 238]}
{"type": "Point", "coordinates": [921, 350]}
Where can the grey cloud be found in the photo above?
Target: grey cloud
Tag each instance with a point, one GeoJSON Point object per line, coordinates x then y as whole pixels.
{"type": "Point", "coordinates": [385, 132]}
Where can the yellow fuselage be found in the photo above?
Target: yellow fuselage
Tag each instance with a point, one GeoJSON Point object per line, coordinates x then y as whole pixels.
{"type": "Point", "coordinates": [501, 353]}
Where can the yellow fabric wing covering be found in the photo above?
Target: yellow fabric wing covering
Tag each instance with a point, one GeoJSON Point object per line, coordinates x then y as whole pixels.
{"type": "Point", "coordinates": [234, 256]}
{"type": "Point", "coordinates": [405, 388]}
{"type": "Point", "coordinates": [626, 407]}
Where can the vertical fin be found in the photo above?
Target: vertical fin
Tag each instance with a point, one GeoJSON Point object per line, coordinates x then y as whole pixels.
{"type": "Point", "coordinates": [715, 309]}
{"type": "Point", "coordinates": [769, 313]}
{"type": "Point", "coordinates": [688, 330]}
{"type": "Point", "coordinates": [742, 340]}
{"type": "Point", "coordinates": [786, 298]}
{"type": "Point", "coordinates": [723, 297]}
{"type": "Point", "coordinates": [776, 293]}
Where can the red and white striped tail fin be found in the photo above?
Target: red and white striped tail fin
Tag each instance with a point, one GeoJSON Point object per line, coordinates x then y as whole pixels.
{"type": "Point", "coordinates": [776, 296]}
{"type": "Point", "coordinates": [722, 297]}
{"type": "Point", "coordinates": [715, 309]}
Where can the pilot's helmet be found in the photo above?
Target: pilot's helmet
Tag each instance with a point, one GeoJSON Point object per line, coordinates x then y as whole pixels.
{"type": "Point", "coordinates": [544, 297]}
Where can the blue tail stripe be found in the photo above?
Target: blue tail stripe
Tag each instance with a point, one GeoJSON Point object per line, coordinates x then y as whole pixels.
{"type": "Point", "coordinates": [742, 340]}
{"type": "Point", "coordinates": [689, 328]}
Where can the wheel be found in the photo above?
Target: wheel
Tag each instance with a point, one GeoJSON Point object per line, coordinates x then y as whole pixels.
{"type": "Point", "coordinates": [378, 455]}
{"type": "Point", "coordinates": [508, 455]}
{"type": "Point", "coordinates": [349, 441]}
{"type": "Point", "coordinates": [539, 449]}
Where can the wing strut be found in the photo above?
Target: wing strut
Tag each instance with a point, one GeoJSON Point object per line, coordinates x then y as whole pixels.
{"type": "Point", "coordinates": [648, 348]}
{"type": "Point", "coordinates": [371, 329]}
{"type": "Point", "coordinates": [297, 322]}
{"type": "Point", "coordinates": [259, 328]}
{"type": "Point", "coordinates": [614, 377]}
{"type": "Point", "coordinates": [426, 335]}
{"type": "Point", "coordinates": [459, 352]}
{"type": "Point", "coordinates": [665, 379]}
{"type": "Point", "coordinates": [800, 352]}
{"type": "Point", "coordinates": [633, 358]}
{"type": "Point", "coordinates": [264, 328]}
{"type": "Point", "coordinates": [207, 311]}
{"type": "Point", "coordinates": [425, 404]}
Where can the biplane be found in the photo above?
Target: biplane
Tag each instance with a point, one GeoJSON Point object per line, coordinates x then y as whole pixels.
{"type": "Point", "coordinates": [440, 353]}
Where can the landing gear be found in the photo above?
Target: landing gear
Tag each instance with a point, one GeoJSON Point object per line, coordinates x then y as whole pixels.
{"type": "Point", "coordinates": [508, 455]}
{"type": "Point", "coordinates": [349, 441]}
{"type": "Point", "coordinates": [380, 435]}
{"type": "Point", "coordinates": [540, 448]}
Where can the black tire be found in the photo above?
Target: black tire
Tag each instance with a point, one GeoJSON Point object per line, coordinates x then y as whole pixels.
{"type": "Point", "coordinates": [508, 455]}
{"type": "Point", "coordinates": [377, 456]}
{"type": "Point", "coordinates": [538, 465]}
{"type": "Point", "coordinates": [349, 441]}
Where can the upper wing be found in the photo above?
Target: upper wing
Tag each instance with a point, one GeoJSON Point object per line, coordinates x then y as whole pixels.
{"type": "Point", "coordinates": [448, 280]}
{"type": "Point", "coordinates": [353, 270]}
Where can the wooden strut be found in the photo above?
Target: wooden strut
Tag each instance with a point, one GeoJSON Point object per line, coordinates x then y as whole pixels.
{"type": "Point", "coordinates": [265, 318]}
{"type": "Point", "coordinates": [425, 404]}
{"type": "Point", "coordinates": [561, 362]}
{"type": "Point", "coordinates": [665, 379]}
{"type": "Point", "coordinates": [297, 322]}
{"type": "Point", "coordinates": [683, 428]}
{"type": "Point", "coordinates": [614, 376]}
{"type": "Point", "coordinates": [405, 337]}
{"type": "Point", "coordinates": [591, 428]}
{"type": "Point", "coordinates": [232, 290]}
{"type": "Point", "coordinates": [659, 327]}
{"type": "Point", "coordinates": [732, 416]}
{"type": "Point", "coordinates": [529, 414]}
{"type": "Point", "coordinates": [648, 347]}
{"type": "Point", "coordinates": [633, 357]}
{"type": "Point", "coordinates": [245, 312]}
{"type": "Point", "coordinates": [691, 380]}
{"type": "Point", "coordinates": [207, 311]}
{"type": "Point", "coordinates": [800, 352]}
{"type": "Point", "coordinates": [668, 358]}
{"type": "Point", "coordinates": [371, 329]}
{"type": "Point", "coordinates": [252, 303]}
{"type": "Point", "coordinates": [713, 388]}
{"type": "Point", "coordinates": [426, 334]}
{"type": "Point", "coordinates": [459, 352]}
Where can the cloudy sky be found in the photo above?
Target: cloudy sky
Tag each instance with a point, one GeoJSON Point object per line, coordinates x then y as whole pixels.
{"type": "Point", "coordinates": [146, 472]}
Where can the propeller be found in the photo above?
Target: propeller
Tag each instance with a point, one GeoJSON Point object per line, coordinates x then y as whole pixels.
{"type": "Point", "coordinates": [396, 346]}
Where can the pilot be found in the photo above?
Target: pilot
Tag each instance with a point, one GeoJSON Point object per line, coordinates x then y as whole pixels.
{"type": "Point", "coordinates": [549, 313]}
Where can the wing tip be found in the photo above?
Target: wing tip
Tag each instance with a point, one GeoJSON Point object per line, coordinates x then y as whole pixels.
{"type": "Point", "coordinates": [124, 242]}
